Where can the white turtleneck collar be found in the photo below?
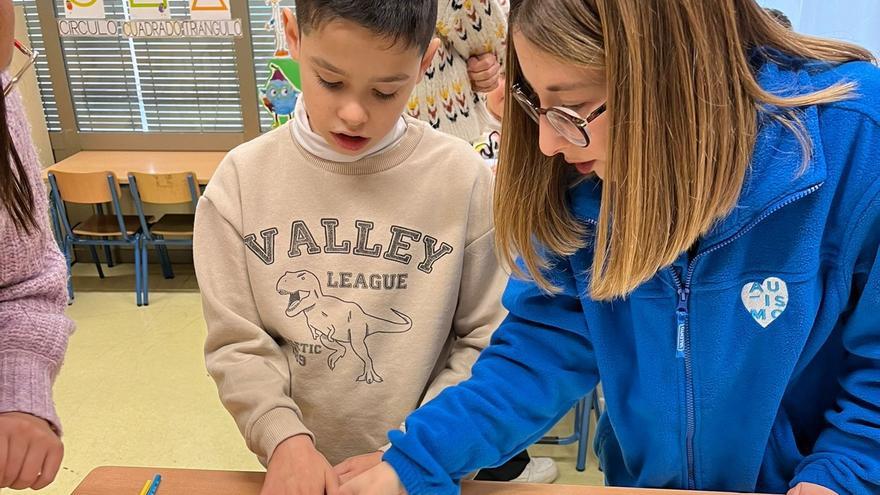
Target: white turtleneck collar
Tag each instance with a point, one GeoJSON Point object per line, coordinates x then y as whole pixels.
{"type": "Point", "coordinates": [318, 146]}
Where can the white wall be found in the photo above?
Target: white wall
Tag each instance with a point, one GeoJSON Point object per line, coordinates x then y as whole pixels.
{"type": "Point", "coordinates": [857, 21]}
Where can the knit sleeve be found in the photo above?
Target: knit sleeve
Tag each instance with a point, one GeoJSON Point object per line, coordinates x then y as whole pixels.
{"type": "Point", "coordinates": [473, 27]}
{"type": "Point", "coordinates": [444, 97]}
{"type": "Point", "coordinates": [33, 295]}
{"type": "Point", "coordinates": [33, 329]}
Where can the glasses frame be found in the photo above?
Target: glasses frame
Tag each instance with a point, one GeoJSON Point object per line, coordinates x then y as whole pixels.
{"type": "Point", "coordinates": [569, 115]}
{"type": "Point", "coordinates": [31, 55]}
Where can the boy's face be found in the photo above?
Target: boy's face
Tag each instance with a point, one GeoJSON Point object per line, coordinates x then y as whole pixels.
{"type": "Point", "coordinates": [355, 85]}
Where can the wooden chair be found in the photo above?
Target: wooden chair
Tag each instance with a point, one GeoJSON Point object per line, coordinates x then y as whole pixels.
{"type": "Point", "coordinates": [163, 189]}
{"type": "Point", "coordinates": [116, 229]}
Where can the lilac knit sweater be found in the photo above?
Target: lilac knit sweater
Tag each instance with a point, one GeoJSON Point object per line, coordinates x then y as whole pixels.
{"type": "Point", "coordinates": [33, 295]}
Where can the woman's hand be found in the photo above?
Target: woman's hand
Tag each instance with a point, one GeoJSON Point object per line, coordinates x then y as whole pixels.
{"type": "Point", "coordinates": [380, 480]}
{"type": "Point", "coordinates": [354, 466]}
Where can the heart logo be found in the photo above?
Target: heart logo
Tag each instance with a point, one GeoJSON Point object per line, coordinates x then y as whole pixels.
{"type": "Point", "coordinates": [765, 301]}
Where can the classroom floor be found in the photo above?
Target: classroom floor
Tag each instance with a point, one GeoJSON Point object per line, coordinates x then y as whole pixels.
{"type": "Point", "coordinates": [133, 390]}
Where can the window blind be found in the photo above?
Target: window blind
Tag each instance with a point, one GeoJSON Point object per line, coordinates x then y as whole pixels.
{"type": "Point", "coordinates": [150, 85]}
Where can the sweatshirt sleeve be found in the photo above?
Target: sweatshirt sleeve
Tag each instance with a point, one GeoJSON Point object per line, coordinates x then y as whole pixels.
{"type": "Point", "coordinates": [539, 363]}
{"type": "Point", "coordinates": [846, 456]}
{"type": "Point", "coordinates": [252, 374]}
{"type": "Point", "coordinates": [473, 28]}
{"type": "Point", "coordinates": [479, 311]}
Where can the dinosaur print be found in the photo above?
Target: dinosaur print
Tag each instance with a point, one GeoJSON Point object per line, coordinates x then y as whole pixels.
{"type": "Point", "coordinates": [336, 322]}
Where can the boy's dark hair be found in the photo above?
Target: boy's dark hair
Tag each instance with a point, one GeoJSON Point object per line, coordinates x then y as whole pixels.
{"type": "Point", "coordinates": [780, 17]}
{"type": "Point", "coordinates": [410, 22]}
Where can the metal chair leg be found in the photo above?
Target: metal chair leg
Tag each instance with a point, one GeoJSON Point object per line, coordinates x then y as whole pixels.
{"type": "Point", "coordinates": [145, 272]}
{"type": "Point", "coordinates": [165, 259]}
{"type": "Point", "coordinates": [109, 254]}
{"type": "Point", "coordinates": [138, 277]}
{"type": "Point", "coordinates": [94, 253]}
{"type": "Point", "coordinates": [56, 225]}
{"type": "Point", "coordinates": [68, 247]}
{"type": "Point", "coordinates": [584, 431]}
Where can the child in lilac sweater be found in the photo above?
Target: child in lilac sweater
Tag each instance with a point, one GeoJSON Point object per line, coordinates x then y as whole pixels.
{"type": "Point", "coordinates": [33, 328]}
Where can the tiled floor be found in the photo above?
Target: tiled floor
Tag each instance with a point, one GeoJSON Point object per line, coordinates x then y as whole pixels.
{"type": "Point", "coordinates": [134, 390]}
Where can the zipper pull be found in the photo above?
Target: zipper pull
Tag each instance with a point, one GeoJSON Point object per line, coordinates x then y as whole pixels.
{"type": "Point", "coordinates": [681, 314]}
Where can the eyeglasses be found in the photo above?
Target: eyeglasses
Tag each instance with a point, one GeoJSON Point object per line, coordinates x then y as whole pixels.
{"type": "Point", "coordinates": [565, 121]}
{"type": "Point", "coordinates": [31, 59]}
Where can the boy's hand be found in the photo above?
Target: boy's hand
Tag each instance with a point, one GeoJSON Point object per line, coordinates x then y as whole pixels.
{"type": "Point", "coordinates": [297, 468]}
{"type": "Point", "coordinates": [30, 452]}
{"type": "Point", "coordinates": [354, 466]}
{"type": "Point", "coordinates": [810, 489]}
{"type": "Point", "coordinates": [380, 480]}
{"type": "Point", "coordinates": [484, 71]}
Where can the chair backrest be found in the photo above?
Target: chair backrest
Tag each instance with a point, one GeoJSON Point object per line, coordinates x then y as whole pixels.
{"type": "Point", "coordinates": [90, 188]}
{"type": "Point", "coordinates": [87, 187]}
{"type": "Point", "coordinates": [165, 189]}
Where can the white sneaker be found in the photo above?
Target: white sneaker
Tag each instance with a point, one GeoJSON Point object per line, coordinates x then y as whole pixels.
{"type": "Point", "coordinates": [538, 470]}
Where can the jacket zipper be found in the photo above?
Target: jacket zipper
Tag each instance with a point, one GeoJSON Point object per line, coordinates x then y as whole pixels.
{"type": "Point", "coordinates": [682, 312]}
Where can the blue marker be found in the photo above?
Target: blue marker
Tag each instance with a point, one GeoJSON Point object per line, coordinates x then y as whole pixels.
{"type": "Point", "coordinates": [155, 486]}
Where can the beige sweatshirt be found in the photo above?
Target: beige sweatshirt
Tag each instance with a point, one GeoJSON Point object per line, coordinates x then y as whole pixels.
{"type": "Point", "coordinates": [341, 296]}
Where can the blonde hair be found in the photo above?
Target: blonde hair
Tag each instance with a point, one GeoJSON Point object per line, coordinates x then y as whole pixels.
{"type": "Point", "coordinates": [677, 72]}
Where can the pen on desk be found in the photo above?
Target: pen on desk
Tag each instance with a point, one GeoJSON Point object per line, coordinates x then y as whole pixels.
{"type": "Point", "coordinates": [155, 486]}
{"type": "Point", "coordinates": [146, 487]}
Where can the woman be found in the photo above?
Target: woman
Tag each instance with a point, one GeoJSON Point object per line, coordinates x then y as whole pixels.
{"type": "Point", "coordinates": [693, 191]}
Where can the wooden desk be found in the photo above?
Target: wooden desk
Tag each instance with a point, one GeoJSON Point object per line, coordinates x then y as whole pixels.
{"type": "Point", "coordinates": [202, 163]}
{"type": "Point", "coordinates": [129, 481]}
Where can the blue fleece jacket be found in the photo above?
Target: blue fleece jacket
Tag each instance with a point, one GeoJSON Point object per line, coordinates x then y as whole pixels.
{"type": "Point", "coordinates": [752, 365]}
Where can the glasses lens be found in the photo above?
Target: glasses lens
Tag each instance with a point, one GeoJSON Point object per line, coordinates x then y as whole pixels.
{"type": "Point", "coordinates": [566, 128]}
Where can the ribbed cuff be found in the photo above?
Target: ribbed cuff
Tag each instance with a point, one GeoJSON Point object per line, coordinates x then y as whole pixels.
{"type": "Point", "coordinates": [818, 475]}
{"type": "Point", "coordinates": [409, 476]}
{"type": "Point", "coordinates": [26, 385]}
{"type": "Point", "coordinates": [387, 446]}
{"type": "Point", "coordinates": [273, 428]}
{"type": "Point", "coordinates": [415, 480]}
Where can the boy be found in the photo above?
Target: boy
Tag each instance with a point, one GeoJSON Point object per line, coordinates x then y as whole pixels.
{"type": "Point", "coordinates": [346, 259]}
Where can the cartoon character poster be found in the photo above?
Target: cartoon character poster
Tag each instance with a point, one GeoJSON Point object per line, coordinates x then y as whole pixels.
{"type": "Point", "coordinates": [281, 90]}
